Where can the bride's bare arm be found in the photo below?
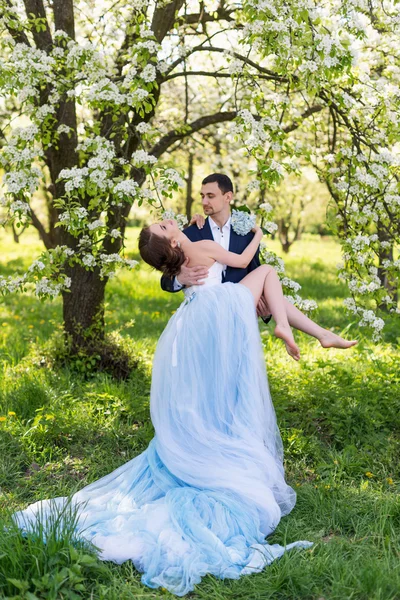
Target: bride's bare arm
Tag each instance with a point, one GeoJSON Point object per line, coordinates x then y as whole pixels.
{"type": "Point", "coordinates": [232, 259]}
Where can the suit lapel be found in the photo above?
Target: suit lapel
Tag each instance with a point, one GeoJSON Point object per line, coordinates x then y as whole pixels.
{"type": "Point", "coordinates": [206, 233]}
{"type": "Point", "coordinates": [233, 241]}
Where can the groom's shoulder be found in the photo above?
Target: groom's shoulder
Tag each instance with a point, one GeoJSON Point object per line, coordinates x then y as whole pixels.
{"type": "Point", "coordinates": [192, 232]}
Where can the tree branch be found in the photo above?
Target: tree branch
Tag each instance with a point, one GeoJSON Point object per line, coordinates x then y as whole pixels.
{"type": "Point", "coordinates": [244, 59]}
{"type": "Point", "coordinates": [171, 137]}
{"type": "Point", "coordinates": [164, 18]}
{"type": "Point", "coordinates": [307, 113]}
{"type": "Point", "coordinates": [44, 236]}
{"type": "Point", "coordinates": [221, 14]}
{"type": "Point", "coordinates": [43, 39]}
{"type": "Point", "coordinates": [208, 74]}
{"type": "Point", "coordinates": [16, 33]}
{"type": "Point", "coordinates": [64, 16]}
{"type": "Point", "coordinates": [63, 157]}
{"type": "Point", "coordinates": [178, 134]}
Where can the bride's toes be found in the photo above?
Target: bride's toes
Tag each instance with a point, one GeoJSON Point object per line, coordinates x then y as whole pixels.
{"type": "Point", "coordinates": [331, 340]}
{"type": "Point", "coordinates": [293, 351]}
{"type": "Point", "coordinates": [285, 333]}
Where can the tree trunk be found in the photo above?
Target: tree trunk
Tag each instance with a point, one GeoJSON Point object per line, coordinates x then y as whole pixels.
{"type": "Point", "coordinates": [389, 284]}
{"type": "Point", "coordinates": [83, 309]}
{"type": "Point", "coordinates": [189, 187]}
{"type": "Point", "coordinates": [283, 229]}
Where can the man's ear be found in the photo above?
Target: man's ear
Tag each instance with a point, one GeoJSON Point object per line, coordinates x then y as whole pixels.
{"type": "Point", "coordinates": [229, 196]}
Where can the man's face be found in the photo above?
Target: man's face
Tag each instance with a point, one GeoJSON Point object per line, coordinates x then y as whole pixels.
{"type": "Point", "coordinates": [213, 200]}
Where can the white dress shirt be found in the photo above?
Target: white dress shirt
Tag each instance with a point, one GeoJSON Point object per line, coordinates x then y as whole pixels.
{"type": "Point", "coordinates": [221, 236]}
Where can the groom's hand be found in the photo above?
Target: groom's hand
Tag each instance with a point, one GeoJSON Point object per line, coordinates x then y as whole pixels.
{"type": "Point", "coordinates": [262, 308]}
{"type": "Point", "coordinates": [191, 275]}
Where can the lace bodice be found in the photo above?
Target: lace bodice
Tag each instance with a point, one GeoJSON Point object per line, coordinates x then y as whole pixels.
{"type": "Point", "coordinates": [214, 278]}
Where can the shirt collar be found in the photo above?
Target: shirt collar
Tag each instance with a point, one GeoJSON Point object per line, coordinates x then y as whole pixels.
{"type": "Point", "coordinates": [214, 226]}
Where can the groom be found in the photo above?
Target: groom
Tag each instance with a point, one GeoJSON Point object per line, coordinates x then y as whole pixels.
{"type": "Point", "coordinates": [216, 196]}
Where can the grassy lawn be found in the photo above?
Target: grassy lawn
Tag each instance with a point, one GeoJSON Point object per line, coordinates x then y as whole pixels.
{"type": "Point", "coordinates": [339, 414]}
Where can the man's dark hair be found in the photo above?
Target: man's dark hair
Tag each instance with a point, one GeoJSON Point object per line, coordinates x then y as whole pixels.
{"type": "Point", "coordinates": [224, 183]}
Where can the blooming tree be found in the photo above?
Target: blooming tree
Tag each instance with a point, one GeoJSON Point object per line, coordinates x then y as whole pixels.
{"type": "Point", "coordinates": [89, 88]}
{"type": "Point", "coordinates": [337, 62]}
{"type": "Point", "coordinates": [81, 83]}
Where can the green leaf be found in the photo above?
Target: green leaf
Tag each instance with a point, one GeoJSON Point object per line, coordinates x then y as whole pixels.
{"type": "Point", "coordinates": [243, 208]}
{"type": "Point", "coordinates": [86, 559]}
{"type": "Point", "coordinates": [19, 584]}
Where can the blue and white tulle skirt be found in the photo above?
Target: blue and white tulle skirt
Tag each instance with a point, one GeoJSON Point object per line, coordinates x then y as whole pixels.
{"type": "Point", "coordinates": [210, 487]}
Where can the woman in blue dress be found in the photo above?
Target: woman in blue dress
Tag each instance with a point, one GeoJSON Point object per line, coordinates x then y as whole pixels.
{"type": "Point", "coordinates": [210, 486]}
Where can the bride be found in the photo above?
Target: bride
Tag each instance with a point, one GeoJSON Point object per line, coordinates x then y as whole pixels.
{"type": "Point", "coordinates": [210, 486]}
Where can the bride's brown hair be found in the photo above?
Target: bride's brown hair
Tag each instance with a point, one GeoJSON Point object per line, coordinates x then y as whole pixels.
{"type": "Point", "coordinates": [158, 253]}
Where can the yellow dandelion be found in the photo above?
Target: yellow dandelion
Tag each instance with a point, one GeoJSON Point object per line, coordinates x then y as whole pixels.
{"type": "Point", "coordinates": [11, 413]}
{"type": "Point", "coordinates": [17, 317]}
{"type": "Point", "coordinates": [369, 474]}
{"type": "Point", "coordinates": [4, 324]}
{"type": "Point", "coordinates": [42, 321]}
{"type": "Point", "coordinates": [2, 419]}
{"type": "Point", "coordinates": [30, 326]}
{"type": "Point", "coordinates": [328, 487]}
{"type": "Point", "coordinates": [389, 480]}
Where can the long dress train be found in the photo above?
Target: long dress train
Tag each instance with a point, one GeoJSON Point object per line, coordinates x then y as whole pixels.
{"type": "Point", "coordinates": [210, 486]}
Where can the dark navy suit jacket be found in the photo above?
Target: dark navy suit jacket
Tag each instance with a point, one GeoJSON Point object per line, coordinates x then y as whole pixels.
{"type": "Point", "coordinates": [237, 243]}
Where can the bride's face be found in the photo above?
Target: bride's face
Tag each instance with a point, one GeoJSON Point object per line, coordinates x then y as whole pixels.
{"type": "Point", "coordinates": [168, 229]}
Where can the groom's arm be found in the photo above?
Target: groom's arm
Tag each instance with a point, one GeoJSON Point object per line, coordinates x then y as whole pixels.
{"type": "Point", "coordinates": [187, 276]}
{"type": "Point", "coordinates": [170, 285]}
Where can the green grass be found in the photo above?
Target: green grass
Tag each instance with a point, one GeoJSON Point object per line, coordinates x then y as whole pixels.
{"type": "Point", "coordinates": [338, 413]}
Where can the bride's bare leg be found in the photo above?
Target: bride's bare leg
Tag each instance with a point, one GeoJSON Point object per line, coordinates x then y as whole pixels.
{"type": "Point", "coordinates": [326, 338]}
{"type": "Point", "coordinates": [265, 281]}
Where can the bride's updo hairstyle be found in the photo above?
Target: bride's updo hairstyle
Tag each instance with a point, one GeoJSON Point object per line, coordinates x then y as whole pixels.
{"type": "Point", "coordinates": [158, 253]}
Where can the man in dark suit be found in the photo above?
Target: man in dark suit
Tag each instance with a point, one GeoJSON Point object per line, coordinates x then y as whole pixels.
{"type": "Point", "coordinates": [216, 196]}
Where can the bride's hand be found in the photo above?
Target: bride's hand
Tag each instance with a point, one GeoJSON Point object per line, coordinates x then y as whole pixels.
{"type": "Point", "coordinates": [257, 231]}
{"type": "Point", "coordinates": [198, 220]}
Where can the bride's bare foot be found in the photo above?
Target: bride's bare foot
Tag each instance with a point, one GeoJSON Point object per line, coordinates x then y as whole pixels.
{"type": "Point", "coordinates": [331, 340]}
{"type": "Point", "coordinates": [285, 333]}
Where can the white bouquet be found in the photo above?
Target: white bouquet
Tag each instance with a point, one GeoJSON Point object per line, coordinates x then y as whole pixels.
{"type": "Point", "coordinates": [242, 222]}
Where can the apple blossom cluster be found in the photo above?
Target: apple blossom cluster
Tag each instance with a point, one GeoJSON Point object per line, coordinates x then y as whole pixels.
{"type": "Point", "coordinates": [242, 224]}
{"type": "Point", "coordinates": [339, 60]}
{"type": "Point", "coordinates": [180, 219]}
{"type": "Point", "coordinates": [102, 181]}
{"type": "Point", "coordinates": [290, 287]}
{"type": "Point", "coordinates": [45, 276]}
{"type": "Point", "coordinates": [109, 262]}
